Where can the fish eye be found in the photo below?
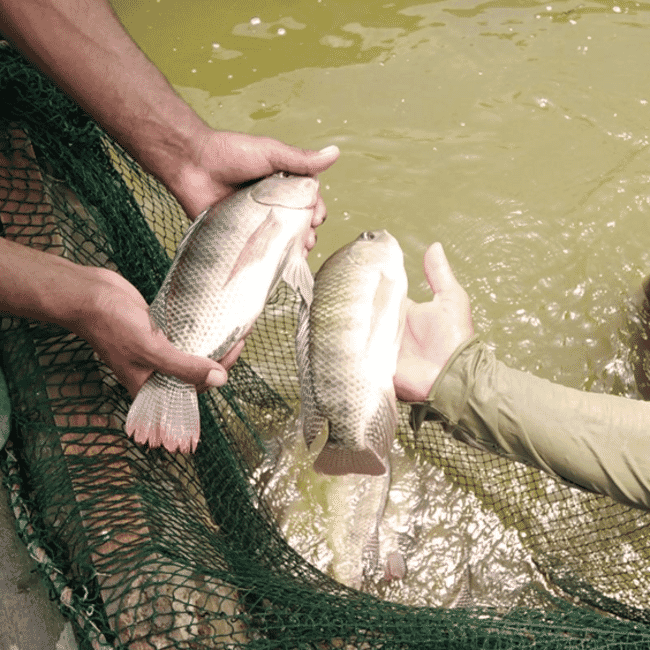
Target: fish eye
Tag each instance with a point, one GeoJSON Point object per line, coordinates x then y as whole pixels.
{"type": "Point", "coordinates": [368, 235]}
{"type": "Point", "coordinates": [283, 174]}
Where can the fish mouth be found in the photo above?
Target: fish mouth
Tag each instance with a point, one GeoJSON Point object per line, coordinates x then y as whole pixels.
{"type": "Point", "coordinates": [360, 251]}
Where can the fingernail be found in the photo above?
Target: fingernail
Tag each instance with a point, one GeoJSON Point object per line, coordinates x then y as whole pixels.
{"type": "Point", "coordinates": [216, 378]}
{"type": "Point", "coordinates": [329, 150]}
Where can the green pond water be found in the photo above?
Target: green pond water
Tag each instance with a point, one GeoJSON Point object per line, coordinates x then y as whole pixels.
{"type": "Point", "coordinates": [515, 133]}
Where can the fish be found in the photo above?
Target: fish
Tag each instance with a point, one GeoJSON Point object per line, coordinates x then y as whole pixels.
{"type": "Point", "coordinates": [356, 506]}
{"type": "Point", "coordinates": [227, 265]}
{"type": "Point", "coordinates": [347, 344]}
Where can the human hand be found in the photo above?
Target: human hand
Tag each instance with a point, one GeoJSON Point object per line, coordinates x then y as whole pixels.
{"type": "Point", "coordinates": [433, 330]}
{"type": "Point", "coordinates": [119, 329]}
{"type": "Point", "coordinates": [228, 161]}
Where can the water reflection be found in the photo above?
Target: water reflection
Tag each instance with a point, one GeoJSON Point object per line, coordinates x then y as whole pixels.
{"type": "Point", "coordinates": [637, 337]}
{"type": "Point", "coordinates": [457, 552]}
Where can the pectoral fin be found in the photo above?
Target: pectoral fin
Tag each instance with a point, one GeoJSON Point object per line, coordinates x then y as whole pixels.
{"type": "Point", "coordinates": [381, 304]}
{"type": "Point", "coordinates": [257, 245]}
{"type": "Point", "coordinates": [297, 275]}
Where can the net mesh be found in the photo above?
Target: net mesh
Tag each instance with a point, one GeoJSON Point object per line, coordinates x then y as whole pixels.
{"type": "Point", "coordinates": [150, 550]}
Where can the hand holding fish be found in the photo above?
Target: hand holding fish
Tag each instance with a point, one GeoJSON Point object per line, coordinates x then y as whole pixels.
{"type": "Point", "coordinates": [228, 161]}
{"type": "Point", "coordinates": [103, 308]}
{"type": "Point", "coordinates": [119, 329]}
{"type": "Point", "coordinates": [102, 69]}
{"type": "Point", "coordinates": [433, 329]}
{"type": "Point", "coordinates": [108, 75]}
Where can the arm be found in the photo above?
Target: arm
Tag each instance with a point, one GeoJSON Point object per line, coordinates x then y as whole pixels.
{"type": "Point", "coordinates": [101, 307]}
{"type": "Point", "coordinates": [82, 46]}
{"type": "Point", "coordinates": [597, 442]}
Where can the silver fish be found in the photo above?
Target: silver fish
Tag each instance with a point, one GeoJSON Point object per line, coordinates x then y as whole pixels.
{"type": "Point", "coordinates": [356, 506]}
{"type": "Point", "coordinates": [346, 349]}
{"type": "Point", "coordinates": [226, 266]}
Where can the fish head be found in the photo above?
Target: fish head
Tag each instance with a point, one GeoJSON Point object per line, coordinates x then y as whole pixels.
{"type": "Point", "coordinates": [286, 191]}
{"type": "Point", "coordinates": [375, 248]}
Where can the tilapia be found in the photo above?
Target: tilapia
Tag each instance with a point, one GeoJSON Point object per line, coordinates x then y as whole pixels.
{"type": "Point", "coordinates": [226, 267]}
{"type": "Point", "coordinates": [346, 350]}
{"type": "Point", "coordinates": [356, 506]}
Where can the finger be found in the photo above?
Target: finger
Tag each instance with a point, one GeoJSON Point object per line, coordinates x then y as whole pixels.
{"type": "Point", "coordinates": [304, 162]}
{"type": "Point", "coordinates": [310, 240]}
{"type": "Point", "coordinates": [320, 213]}
{"type": "Point", "coordinates": [226, 362]}
{"type": "Point", "coordinates": [439, 275]}
{"type": "Point", "coordinates": [189, 368]}
{"type": "Point", "coordinates": [215, 377]}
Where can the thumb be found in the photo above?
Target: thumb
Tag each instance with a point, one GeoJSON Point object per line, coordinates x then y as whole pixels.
{"type": "Point", "coordinates": [191, 369]}
{"type": "Point", "coordinates": [305, 162]}
{"type": "Point", "coordinates": [439, 275]}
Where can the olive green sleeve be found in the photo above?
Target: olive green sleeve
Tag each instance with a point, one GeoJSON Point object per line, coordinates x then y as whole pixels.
{"type": "Point", "coordinates": [595, 441]}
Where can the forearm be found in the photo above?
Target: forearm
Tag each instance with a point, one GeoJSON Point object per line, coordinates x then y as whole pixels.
{"type": "Point", "coordinates": [45, 287]}
{"type": "Point", "coordinates": [82, 45]}
{"type": "Point", "coordinates": [599, 442]}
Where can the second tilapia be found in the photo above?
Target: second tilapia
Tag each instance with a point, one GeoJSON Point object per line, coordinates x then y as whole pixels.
{"type": "Point", "coordinates": [346, 349]}
{"type": "Point", "coordinates": [225, 268]}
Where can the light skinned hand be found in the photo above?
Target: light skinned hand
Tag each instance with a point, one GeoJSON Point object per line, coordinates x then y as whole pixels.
{"type": "Point", "coordinates": [433, 330]}
{"type": "Point", "coordinates": [121, 332]}
{"type": "Point", "coordinates": [230, 160]}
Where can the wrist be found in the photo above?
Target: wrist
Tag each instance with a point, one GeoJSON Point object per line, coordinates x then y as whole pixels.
{"type": "Point", "coordinates": [420, 376]}
{"type": "Point", "coordinates": [168, 144]}
{"type": "Point", "coordinates": [446, 398]}
{"type": "Point", "coordinates": [445, 371]}
{"type": "Point", "coordinates": [81, 309]}
{"type": "Point", "coordinates": [42, 286]}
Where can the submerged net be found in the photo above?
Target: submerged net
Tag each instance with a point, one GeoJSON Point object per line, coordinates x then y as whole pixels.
{"type": "Point", "coordinates": [149, 550]}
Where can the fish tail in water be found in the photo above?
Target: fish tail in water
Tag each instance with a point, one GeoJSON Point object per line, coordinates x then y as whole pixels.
{"type": "Point", "coordinates": [336, 461]}
{"type": "Point", "coordinates": [165, 412]}
{"type": "Point", "coordinates": [395, 566]}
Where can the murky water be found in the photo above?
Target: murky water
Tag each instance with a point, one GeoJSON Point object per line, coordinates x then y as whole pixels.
{"type": "Point", "coordinates": [516, 133]}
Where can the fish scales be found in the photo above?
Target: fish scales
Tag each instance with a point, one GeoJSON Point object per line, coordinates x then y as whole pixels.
{"type": "Point", "coordinates": [201, 303]}
{"type": "Point", "coordinates": [226, 266]}
{"type": "Point", "coordinates": [347, 348]}
{"type": "Point", "coordinates": [356, 505]}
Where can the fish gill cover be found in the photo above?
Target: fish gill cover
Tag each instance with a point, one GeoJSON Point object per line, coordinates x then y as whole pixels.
{"type": "Point", "coordinates": [145, 549]}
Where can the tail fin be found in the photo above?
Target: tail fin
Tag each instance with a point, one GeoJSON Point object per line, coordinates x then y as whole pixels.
{"type": "Point", "coordinates": [336, 461]}
{"type": "Point", "coordinates": [165, 412]}
{"type": "Point", "coordinates": [369, 457]}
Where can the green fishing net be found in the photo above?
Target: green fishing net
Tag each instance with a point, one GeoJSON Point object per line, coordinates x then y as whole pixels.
{"type": "Point", "coordinates": [149, 550]}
